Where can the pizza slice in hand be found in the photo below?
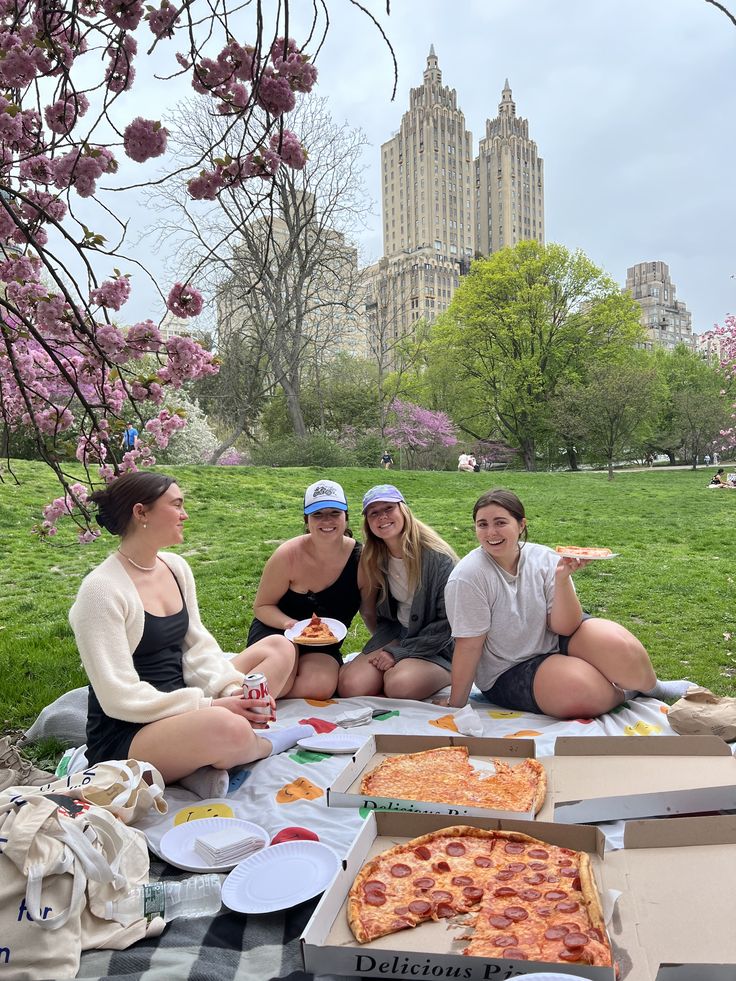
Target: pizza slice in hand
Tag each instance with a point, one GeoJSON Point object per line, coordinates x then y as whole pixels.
{"type": "Point", "coordinates": [580, 552]}
{"type": "Point", "coordinates": [316, 633]}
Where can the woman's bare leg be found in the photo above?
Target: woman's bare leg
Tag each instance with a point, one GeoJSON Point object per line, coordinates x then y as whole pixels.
{"type": "Point", "coordinates": [359, 677]}
{"type": "Point", "coordinates": [210, 736]}
{"type": "Point", "coordinates": [413, 677]}
{"type": "Point", "coordinates": [274, 656]}
{"type": "Point", "coordinates": [316, 677]}
{"type": "Point", "coordinates": [570, 688]}
{"type": "Point", "coordinates": [615, 652]}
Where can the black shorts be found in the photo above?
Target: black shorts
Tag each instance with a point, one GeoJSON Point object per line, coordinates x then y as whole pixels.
{"type": "Point", "coordinates": [514, 689]}
{"type": "Point", "coordinates": [259, 630]}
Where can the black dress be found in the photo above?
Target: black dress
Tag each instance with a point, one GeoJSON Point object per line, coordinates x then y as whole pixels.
{"type": "Point", "coordinates": [158, 660]}
{"type": "Point", "coordinates": [340, 600]}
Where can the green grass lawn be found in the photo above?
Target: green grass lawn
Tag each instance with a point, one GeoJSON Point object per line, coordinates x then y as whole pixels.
{"type": "Point", "coordinates": [673, 584]}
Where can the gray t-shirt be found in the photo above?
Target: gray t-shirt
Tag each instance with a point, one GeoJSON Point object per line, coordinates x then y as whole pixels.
{"type": "Point", "coordinates": [482, 598]}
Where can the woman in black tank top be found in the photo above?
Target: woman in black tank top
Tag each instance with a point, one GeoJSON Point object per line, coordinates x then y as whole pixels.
{"type": "Point", "coordinates": [161, 689]}
{"type": "Point", "coordinates": [317, 572]}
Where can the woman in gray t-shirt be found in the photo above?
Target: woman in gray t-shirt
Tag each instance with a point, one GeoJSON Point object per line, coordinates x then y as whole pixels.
{"type": "Point", "coordinates": [521, 634]}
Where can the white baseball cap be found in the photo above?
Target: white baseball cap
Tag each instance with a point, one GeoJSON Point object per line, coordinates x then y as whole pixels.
{"type": "Point", "coordinates": [324, 494]}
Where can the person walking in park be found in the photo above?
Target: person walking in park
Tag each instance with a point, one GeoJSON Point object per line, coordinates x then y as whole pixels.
{"type": "Point", "coordinates": [521, 634]}
{"type": "Point", "coordinates": [316, 572]}
{"type": "Point", "coordinates": [387, 460]}
{"type": "Point", "coordinates": [129, 439]}
{"type": "Point", "coordinates": [161, 689]}
{"type": "Point", "coordinates": [405, 565]}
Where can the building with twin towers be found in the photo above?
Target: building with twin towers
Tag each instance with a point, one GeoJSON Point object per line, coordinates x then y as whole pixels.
{"type": "Point", "coordinates": [443, 206]}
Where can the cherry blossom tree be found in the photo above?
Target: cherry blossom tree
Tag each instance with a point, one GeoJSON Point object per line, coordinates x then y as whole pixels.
{"type": "Point", "coordinates": [420, 432]}
{"type": "Point", "coordinates": [725, 336]}
{"type": "Point", "coordinates": [69, 365]}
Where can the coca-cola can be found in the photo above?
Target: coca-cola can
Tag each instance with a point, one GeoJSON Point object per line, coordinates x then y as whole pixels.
{"type": "Point", "coordinates": [256, 686]}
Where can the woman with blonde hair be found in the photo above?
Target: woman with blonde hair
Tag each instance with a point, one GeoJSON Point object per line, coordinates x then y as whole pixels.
{"type": "Point", "coordinates": [405, 566]}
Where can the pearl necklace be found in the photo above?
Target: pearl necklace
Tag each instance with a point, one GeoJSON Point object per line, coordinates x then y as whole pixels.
{"type": "Point", "coordinates": [143, 568]}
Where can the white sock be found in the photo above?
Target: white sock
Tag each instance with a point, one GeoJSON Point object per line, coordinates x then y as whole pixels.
{"type": "Point", "coordinates": [282, 739]}
{"type": "Point", "coordinates": [666, 690]}
{"type": "Point", "coordinates": [207, 782]}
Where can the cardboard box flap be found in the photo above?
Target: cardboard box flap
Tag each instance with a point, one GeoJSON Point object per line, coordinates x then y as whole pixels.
{"type": "Point", "coordinates": [684, 832]}
{"type": "Point", "coordinates": [641, 746]}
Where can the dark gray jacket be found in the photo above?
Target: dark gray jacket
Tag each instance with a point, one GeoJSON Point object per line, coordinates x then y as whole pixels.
{"type": "Point", "coordinates": [428, 635]}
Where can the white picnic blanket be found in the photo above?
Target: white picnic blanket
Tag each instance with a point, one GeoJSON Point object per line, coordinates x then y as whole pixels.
{"type": "Point", "coordinates": [289, 790]}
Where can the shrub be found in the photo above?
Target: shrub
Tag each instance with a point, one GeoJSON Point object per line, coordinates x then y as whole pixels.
{"type": "Point", "coordinates": [316, 450]}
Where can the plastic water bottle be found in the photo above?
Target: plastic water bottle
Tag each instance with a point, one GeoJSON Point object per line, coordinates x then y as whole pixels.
{"type": "Point", "coordinates": [199, 895]}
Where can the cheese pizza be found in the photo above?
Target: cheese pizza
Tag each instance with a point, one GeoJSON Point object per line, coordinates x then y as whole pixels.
{"type": "Point", "coordinates": [527, 900]}
{"type": "Point", "coordinates": [445, 775]}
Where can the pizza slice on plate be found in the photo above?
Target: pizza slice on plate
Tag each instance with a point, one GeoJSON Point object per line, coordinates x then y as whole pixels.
{"type": "Point", "coordinates": [316, 633]}
{"type": "Point", "coordinates": [580, 552]}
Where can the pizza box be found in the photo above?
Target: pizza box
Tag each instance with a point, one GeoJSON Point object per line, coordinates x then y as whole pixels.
{"type": "Point", "coordinates": [672, 920]}
{"type": "Point", "coordinates": [589, 778]}
{"type": "Point", "coordinates": [610, 778]}
{"type": "Point", "coordinates": [345, 789]}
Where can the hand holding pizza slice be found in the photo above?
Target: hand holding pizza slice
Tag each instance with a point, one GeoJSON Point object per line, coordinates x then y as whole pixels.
{"type": "Point", "coordinates": [316, 633]}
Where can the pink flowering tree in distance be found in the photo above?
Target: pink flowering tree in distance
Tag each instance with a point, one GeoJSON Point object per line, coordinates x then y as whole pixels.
{"type": "Point", "coordinates": [71, 369]}
{"type": "Point", "coordinates": [726, 337]}
{"type": "Point", "coordinates": [419, 432]}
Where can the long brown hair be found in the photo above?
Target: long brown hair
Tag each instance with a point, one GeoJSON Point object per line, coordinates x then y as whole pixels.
{"type": "Point", "coordinates": [415, 537]}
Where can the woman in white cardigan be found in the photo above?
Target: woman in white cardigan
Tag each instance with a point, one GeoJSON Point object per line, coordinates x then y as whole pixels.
{"type": "Point", "coordinates": [161, 689]}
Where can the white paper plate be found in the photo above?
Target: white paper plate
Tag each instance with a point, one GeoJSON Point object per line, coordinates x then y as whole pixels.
{"type": "Point", "coordinates": [338, 629]}
{"type": "Point", "coordinates": [332, 742]}
{"type": "Point", "coordinates": [587, 558]}
{"type": "Point", "coordinates": [280, 877]}
{"type": "Point", "coordinates": [177, 845]}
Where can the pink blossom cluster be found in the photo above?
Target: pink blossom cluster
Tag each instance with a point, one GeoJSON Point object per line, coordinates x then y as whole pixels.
{"type": "Point", "coordinates": [726, 339]}
{"type": "Point", "coordinates": [263, 163]}
{"type": "Point", "coordinates": [163, 427]}
{"type": "Point", "coordinates": [113, 293]}
{"type": "Point", "coordinates": [144, 138]}
{"type": "Point", "coordinates": [184, 300]}
{"type": "Point", "coordinates": [184, 357]}
{"type": "Point", "coordinates": [82, 168]}
{"type": "Point", "coordinates": [162, 20]}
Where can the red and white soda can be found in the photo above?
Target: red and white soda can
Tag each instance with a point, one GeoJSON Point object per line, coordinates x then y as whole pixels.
{"type": "Point", "coordinates": [256, 686]}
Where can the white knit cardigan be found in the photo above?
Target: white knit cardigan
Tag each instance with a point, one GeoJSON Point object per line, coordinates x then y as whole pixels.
{"type": "Point", "coordinates": [108, 618]}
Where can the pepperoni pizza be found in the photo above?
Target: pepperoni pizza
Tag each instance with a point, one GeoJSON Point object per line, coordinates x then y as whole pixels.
{"type": "Point", "coordinates": [532, 901]}
{"type": "Point", "coordinates": [316, 633]}
{"type": "Point", "coordinates": [446, 776]}
{"type": "Point", "coordinates": [580, 552]}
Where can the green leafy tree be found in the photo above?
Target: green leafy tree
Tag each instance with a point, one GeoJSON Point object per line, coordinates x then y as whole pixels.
{"type": "Point", "coordinates": [522, 322]}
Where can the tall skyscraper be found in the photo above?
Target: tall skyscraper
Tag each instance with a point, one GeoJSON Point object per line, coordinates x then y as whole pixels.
{"type": "Point", "coordinates": [667, 320]}
{"type": "Point", "coordinates": [509, 179]}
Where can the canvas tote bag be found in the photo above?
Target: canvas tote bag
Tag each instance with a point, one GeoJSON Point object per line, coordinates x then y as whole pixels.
{"type": "Point", "coordinates": [61, 859]}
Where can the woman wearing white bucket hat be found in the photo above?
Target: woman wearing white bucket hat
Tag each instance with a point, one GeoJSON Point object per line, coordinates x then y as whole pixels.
{"type": "Point", "coordinates": [316, 572]}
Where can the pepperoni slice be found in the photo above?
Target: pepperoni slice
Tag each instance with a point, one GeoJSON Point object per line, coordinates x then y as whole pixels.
{"type": "Point", "coordinates": [445, 910]}
{"type": "Point", "coordinates": [570, 871]}
{"type": "Point", "coordinates": [516, 913]}
{"type": "Point", "coordinates": [400, 925]}
{"type": "Point", "coordinates": [375, 898]}
{"type": "Point", "coordinates": [421, 851]}
{"type": "Point", "coordinates": [400, 870]}
{"type": "Point", "coordinates": [473, 893]}
{"type": "Point", "coordinates": [401, 910]}
{"type": "Point", "coordinates": [555, 894]}
{"type": "Point", "coordinates": [563, 861]}
{"type": "Point", "coordinates": [595, 934]}
{"type": "Point", "coordinates": [516, 954]}
{"type": "Point", "coordinates": [514, 848]}
{"type": "Point", "coordinates": [441, 867]}
{"type": "Point", "coordinates": [555, 932]}
{"type": "Point", "coordinates": [504, 875]}
{"type": "Point", "coordinates": [504, 940]}
{"type": "Point", "coordinates": [498, 921]}
{"type": "Point", "coordinates": [553, 878]}
{"type": "Point", "coordinates": [537, 853]}
{"type": "Point", "coordinates": [538, 866]}
{"type": "Point", "coordinates": [420, 907]}
{"type": "Point", "coordinates": [483, 862]}
{"type": "Point", "coordinates": [568, 906]}
{"type": "Point", "coordinates": [504, 891]}
{"type": "Point", "coordinates": [374, 885]}
{"type": "Point", "coordinates": [573, 941]}
{"type": "Point", "coordinates": [462, 880]}
{"type": "Point", "coordinates": [440, 896]}
{"type": "Point", "coordinates": [516, 866]}
{"type": "Point", "coordinates": [529, 894]}
{"type": "Point", "coordinates": [543, 911]}
{"type": "Point", "coordinates": [424, 883]}
{"type": "Point", "coordinates": [535, 879]}
{"type": "Point", "coordinates": [576, 883]}
{"type": "Point", "coordinates": [455, 848]}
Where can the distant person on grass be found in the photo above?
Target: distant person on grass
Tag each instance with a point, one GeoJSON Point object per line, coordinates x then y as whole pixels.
{"type": "Point", "coordinates": [521, 634]}
{"type": "Point", "coordinates": [405, 566]}
{"type": "Point", "coordinates": [129, 440]}
{"type": "Point", "coordinates": [719, 479]}
{"type": "Point", "coordinates": [161, 689]}
{"type": "Point", "coordinates": [387, 460]}
{"type": "Point", "coordinates": [316, 572]}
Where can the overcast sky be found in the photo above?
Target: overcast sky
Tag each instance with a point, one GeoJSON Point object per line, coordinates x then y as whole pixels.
{"type": "Point", "coordinates": [632, 104]}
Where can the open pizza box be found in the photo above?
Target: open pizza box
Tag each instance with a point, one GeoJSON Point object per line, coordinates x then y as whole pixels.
{"type": "Point", "coordinates": [667, 889]}
{"type": "Point", "coordinates": [589, 779]}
